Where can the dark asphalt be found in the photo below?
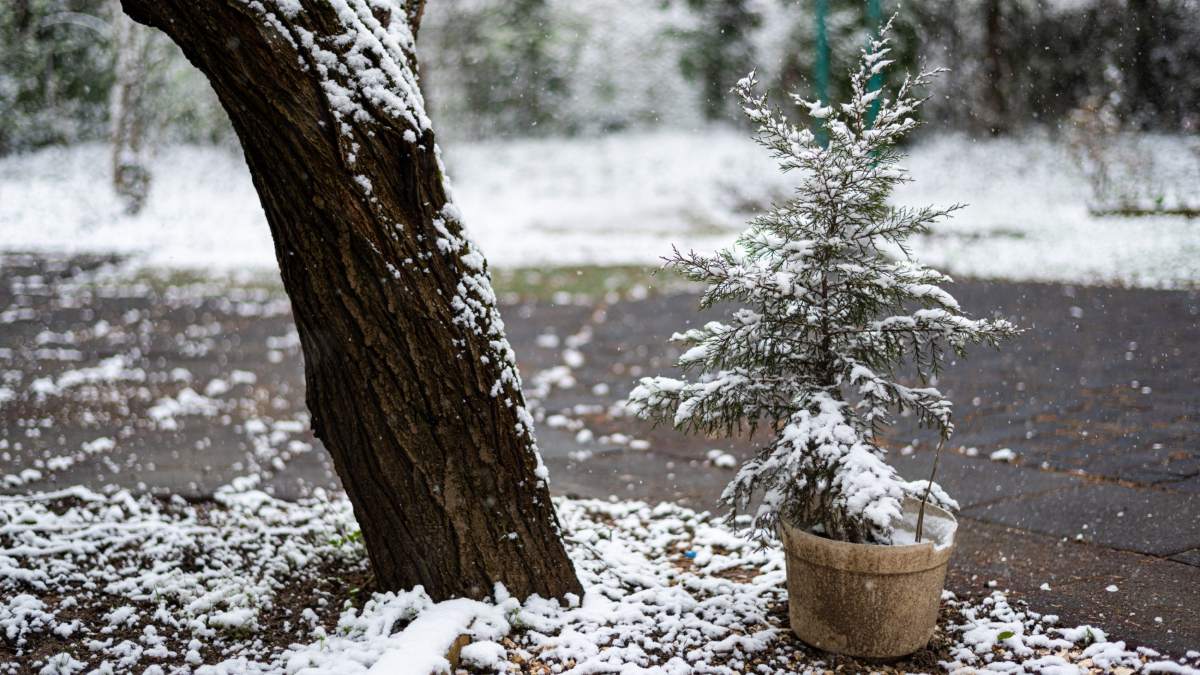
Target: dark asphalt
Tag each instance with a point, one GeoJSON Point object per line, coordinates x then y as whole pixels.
{"type": "Point", "coordinates": [1098, 400]}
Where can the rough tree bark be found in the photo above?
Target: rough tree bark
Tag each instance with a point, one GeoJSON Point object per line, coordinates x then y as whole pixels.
{"type": "Point", "coordinates": [411, 384]}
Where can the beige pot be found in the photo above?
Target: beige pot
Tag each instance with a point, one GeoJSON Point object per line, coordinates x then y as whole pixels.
{"type": "Point", "coordinates": [867, 601]}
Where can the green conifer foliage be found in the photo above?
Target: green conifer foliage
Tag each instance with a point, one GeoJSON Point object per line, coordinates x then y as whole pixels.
{"type": "Point", "coordinates": [832, 305]}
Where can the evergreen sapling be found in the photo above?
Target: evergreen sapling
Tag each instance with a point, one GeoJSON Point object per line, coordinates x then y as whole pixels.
{"type": "Point", "coordinates": [825, 283]}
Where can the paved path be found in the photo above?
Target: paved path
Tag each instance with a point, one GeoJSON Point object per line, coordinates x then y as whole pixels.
{"type": "Point", "coordinates": [1105, 488]}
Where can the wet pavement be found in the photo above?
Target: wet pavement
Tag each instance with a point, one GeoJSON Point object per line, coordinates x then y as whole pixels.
{"type": "Point", "coordinates": [180, 384]}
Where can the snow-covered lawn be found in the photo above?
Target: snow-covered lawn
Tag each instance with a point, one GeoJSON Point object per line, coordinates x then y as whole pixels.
{"type": "Point", "coordinates": [110, 583]}
{"type": "Point", "coordinates": [625, 199]}
{"type": "Point", "coordinates": [1027, 217]}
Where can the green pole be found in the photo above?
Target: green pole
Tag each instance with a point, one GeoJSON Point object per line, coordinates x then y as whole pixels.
{"type": "Point", "coordinates": [822, 64]}
{"type": "Point", "coordinates": [874, 22]}
{"type": "Point", "coordinates": [874, 17]}
{"type": "Point", "coordinates": [821, 67]}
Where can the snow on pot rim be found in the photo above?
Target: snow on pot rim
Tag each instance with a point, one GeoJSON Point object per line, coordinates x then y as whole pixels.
{"type": "Point", "coordinates": [938, 528]}
{"type": "Point", "coordinates": [900, 558]}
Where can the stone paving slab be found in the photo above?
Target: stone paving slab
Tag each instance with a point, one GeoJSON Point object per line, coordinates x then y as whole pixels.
{"type": "Point", "coordinates": [1061, 396]}
{"type": "Point", "coordinates": [1104, 381]}
{"type": "Point", "coordinates": [973, 480]}
{"type": "Point", "coordinates": [1077, 575]}
{"type": "Point", "coordinates": [1146, 521]}
{"type": "Point", "coordinates": [649, 477]}
{"type": "Point", "coordinates": [1191, 485]}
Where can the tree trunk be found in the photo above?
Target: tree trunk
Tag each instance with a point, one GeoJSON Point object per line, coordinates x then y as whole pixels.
{"type": "Point", "coordinates": [1143, 83]}
{"type": "Point", "coordinates": [131, 177]}
{"type": "Point", "coordinates": [997, 72]}
{"type": "Point", "coordinates": [411, 383]}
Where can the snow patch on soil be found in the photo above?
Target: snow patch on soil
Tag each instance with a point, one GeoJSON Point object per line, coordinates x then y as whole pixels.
{"type": "Point", "coordinates": [200, 588]}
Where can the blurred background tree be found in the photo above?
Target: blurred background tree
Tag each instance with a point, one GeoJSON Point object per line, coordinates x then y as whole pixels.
{"type": "Point", "coordinates": [502, 68]}
{"type": "Point", "coordinates": [58, 66]}
{"type": "Point", "coordinates": [508, 78]}
{"type": "Point", "coordinates": [55, 72]}
{"type": "Point", "coordinates": [720, 51]}
{"type": "Point", "coordinates": [505, 68]}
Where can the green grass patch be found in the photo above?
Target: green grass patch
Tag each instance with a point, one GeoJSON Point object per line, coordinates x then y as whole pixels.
{"type": "Point", "coordinates": [580, 284]}
{"type": "Point", "coordinates": [585, 284]}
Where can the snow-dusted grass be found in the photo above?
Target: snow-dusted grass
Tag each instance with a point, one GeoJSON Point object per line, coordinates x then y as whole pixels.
{"type": "Point", "coordinates": [625, 199]}
{"type": "Point", "coordinates": [1027, 217]}
{"type": "Point", "coordinates": [93, 583]}
{"type": "Point", "coordinates": [202, 211]}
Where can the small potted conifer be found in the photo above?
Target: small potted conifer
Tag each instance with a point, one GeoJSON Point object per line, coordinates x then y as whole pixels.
{"type": "Point", "coordinates": [830, 305]}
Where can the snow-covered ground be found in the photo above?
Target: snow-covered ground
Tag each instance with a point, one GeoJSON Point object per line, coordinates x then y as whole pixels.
{"type": "Point", "coordinates": [112, 583]}
{"type": "Point", "coordinates": [625, 199]}
{"type": "Point", "coordinates": [115, 584]}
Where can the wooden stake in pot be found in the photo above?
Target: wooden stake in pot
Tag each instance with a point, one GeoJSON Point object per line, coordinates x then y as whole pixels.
{"type": "Point", "coordinates": [921, 514]}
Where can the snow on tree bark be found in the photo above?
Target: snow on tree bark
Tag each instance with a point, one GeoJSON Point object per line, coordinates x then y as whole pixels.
{"type": "Point", "coordinates": [824, 280]}
{"type": "Point", "coordinates": [412, 385]}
